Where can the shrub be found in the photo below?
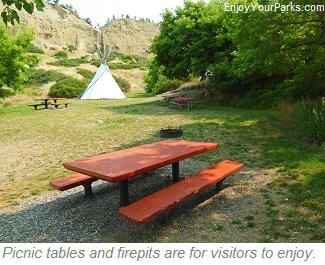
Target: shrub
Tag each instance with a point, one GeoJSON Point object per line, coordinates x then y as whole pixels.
{"type": "Point", "coordinates": [97, 62]}
{"type": "Point", "coordinates": [68, 88]}
{"type": "Point", "coordinates": [88, 75]}
{"type": "Point", "coordinates": [33, 49]}
{"type": "Point", "coordinates": [122, 83]}
{"type": "Point", "coordinates": [310, 119]}
{"type": "Point", "coordinates": [124, 66]}
{"type": "Point", "coordinates": [164, 84]}
{"type": "Point", "coordinates": [65, 63]}
{"type": "Point", "coordinates": [75, 62]}
{"type": "Point", "coordinates": [130, 58]}
{"type": "Point", "coordinates": [39, 77]}
{"type": "Point", "coordinates": [61, 54]}
{"type": "Point", "coordinates": [71, 48]}
{"type": "Point", "coordinates": [32, 60]}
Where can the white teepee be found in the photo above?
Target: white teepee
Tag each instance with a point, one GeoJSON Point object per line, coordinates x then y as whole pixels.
{"type": "Point", "coordinates": [103, 85]}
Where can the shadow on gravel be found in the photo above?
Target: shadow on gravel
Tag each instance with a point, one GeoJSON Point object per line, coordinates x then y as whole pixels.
{"type": "Point", "coordinates": [75, 218]}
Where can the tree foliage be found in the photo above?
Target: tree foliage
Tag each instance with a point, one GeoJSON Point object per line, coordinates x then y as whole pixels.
{"type": "Point", "coordinates": [88, 21]}
{"type": "Point", "coordinates": [8, 14]}
{"type": "Point", "coordinates": [12, 59]}
{"type": "Point", "coordinates": [264, 56]}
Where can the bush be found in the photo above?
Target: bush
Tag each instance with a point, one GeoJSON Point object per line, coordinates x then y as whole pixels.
{"type": "Point", "coordinates": [70, 62]}
{"type": "Point", "coordinates": [122, 83]}
{"type": "Point", "coordinates": [32, 60]}
{"type": "Point", "coordinates": [97, 62]}
{"type": "Point", "coordinates": [39, 77]}
{"type": "Point", "coordinates": [164, 84]}
{"type": "Point", "coordinates": [310, 119]}
{"type": "Point", "coordinates": [68, 88]}
{"type": "Point", "coordinates": [130, 58]}
{"type": "Point", "coordinates": [88, 75]}
{"type": "Point", "coordinates": [61, 54]}
{"type": "Point", "coordinates": [71, 48]}
{"type": "Point", "coordinates": [115, 66]}
{"type": "Point", "coordinates": [33, 49]}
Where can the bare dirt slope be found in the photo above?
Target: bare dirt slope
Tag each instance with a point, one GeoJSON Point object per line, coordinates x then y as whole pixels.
{"type": "Point", "coordinates": [129, 36]}
{"type": "Point", "coordinates": [58, 27]}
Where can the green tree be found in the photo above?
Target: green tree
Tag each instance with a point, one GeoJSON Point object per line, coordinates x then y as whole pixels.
{"type": "Point", "coordinates": [87, 20]}
{"type": "Point", "coordinates": [12, 60]}
{"type": "Point", "coordinates": [8, 14]}
{"type": "Point", "coordinates": [258, 56]}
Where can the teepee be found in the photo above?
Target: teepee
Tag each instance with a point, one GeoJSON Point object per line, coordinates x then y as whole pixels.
{"type": "Point", "coordinates": [103, 85]}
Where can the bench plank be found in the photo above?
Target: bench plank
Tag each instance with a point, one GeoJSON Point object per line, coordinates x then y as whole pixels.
{"type": "Point", "coordinates": [72, 181]}
{"type": "Point", "coordinates": [149, 207]}
{"type": "Point", "coordinates": [61, 103]}
{"type": "Point", "coordinates": [177, 104]}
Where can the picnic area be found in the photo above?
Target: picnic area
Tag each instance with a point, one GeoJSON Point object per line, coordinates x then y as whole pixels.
{"type": "Point", "coordinates": [189, 123]}
{"type": "Point", "coordinates": [249, 208]}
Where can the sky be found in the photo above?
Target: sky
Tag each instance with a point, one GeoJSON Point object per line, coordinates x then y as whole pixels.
{"type": "Point", "coordinates": [99, 10]}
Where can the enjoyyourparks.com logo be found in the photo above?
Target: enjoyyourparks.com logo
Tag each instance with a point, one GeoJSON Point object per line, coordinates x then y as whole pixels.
{"type": "Point", "coordinates": [273, 7]}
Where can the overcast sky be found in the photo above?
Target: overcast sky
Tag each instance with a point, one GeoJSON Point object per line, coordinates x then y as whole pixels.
{"type": "Point", "coordinates": [99, 10]}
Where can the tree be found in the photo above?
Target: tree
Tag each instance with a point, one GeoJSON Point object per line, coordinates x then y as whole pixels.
{"type": "Point", "coordinates": [262, 57]}
{"type": "Point", "coordinates": [8, 14]}
{"type": "Point", "coordinates": [87, 20]}
{"type": "Point", "coordinates": [12, 60]}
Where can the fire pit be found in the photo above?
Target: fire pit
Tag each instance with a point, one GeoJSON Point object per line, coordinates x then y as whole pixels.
{"type": "Point", "coordinates": [171, 133]}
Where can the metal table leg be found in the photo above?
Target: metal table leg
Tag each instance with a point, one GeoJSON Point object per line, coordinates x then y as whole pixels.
{"type": "Point", "coordinates": [175, 169]}
{"type": "Point", "coordinates": [124, 193]}
{"type": "Point", "coordinates": [219, 186]}
{"type": "Point", "coordinates": [88, 190]}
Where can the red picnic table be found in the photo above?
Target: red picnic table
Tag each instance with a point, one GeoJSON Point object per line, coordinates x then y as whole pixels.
{"type": "Point", "coordinates": [119, 166]}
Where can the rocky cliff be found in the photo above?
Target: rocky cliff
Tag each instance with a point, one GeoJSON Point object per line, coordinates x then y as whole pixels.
{"type": "Point", "coordinates": [58, 26]}
{"type": "Point", "coordinates": [129, 36]}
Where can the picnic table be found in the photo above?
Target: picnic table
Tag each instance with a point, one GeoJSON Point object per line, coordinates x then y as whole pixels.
{"type": "Point", "coordinates": [166, 100]}
{"type": "Point", "coordinates": [182, 101]}
{"type": "Point", "coordinates": [120, 166]}
{"type": "Point", "coordinates": [46, 102]}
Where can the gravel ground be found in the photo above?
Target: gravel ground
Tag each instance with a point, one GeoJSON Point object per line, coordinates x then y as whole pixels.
{"type": "Point", "coordinates": [70, 217]}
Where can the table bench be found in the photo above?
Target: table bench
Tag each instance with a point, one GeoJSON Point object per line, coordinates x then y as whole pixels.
{"type": "Point", "coordinates": [73, 181]}
{"type": "Point", "coordinates": [177, 104]}
{"type": "Point", "coordinates": [36, 105]}
{"type": "Point", "coordinates": [160, 202]}
{"type": "Point", "coordinates": [61, 103]}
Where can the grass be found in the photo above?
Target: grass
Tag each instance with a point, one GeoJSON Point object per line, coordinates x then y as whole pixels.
{"type": "Point", "coordinates": [43, 140]}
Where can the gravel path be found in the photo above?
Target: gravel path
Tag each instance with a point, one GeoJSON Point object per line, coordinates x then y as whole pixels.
{"type": "Point", "coordinates": [70, 217]}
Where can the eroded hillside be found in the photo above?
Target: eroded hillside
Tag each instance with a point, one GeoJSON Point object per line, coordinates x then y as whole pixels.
{"type": "Point", "coordinates": [58, 27]}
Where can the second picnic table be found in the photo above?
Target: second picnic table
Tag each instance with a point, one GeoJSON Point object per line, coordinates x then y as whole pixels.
{"type": "Point", "coordinates": [46, 101]}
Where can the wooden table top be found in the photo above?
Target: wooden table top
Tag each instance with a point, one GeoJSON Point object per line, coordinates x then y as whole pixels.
{"type": "Point", "coordinates": [186, 98]}
{"type": "Point", "coordinates": [50, 98]}
{"type": "Point", "coordinates": [124, 164]}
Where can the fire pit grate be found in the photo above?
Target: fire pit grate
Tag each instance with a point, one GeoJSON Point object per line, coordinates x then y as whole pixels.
{"type": "Point", "coordinates": [171, 133]}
